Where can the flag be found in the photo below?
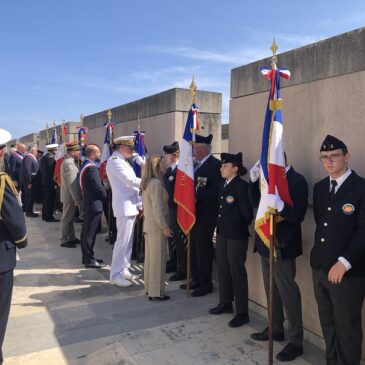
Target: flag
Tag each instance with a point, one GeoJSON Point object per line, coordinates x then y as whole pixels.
{"type": "Point", "coordinates": [60, 154]}
{"type": "Point", "coordinates": [54, 136]}
{"type": "Point", "coordinates": [82, 130]}
{"type": "Point", "coordinates": [139, 147]}
{"type": "Point", "coordinates": [106, 153]}
{"type": "Point", "coordinates": [184, 194]}
{"type": "Point", "coordinates": [272, 163]}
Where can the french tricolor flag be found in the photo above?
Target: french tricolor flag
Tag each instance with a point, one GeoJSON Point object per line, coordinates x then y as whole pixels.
{"type": "Point", "coordinates": [184, 194]}
{"type": "Point", "coordinates": [272, 174]}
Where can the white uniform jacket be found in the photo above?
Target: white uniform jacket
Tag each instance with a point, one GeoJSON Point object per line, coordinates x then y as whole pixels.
{"type": "Point", "coordinates": [124, 184]}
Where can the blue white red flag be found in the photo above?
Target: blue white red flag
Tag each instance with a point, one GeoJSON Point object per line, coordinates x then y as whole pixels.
{"type": "Point", "coordinates": [184, 194]}
{"type": "Point", "coordinates": [139, 147]}
{"type": "Point", "coordinates": [82, 130]}
{"type": "Point", "coordinates": [54, 136]}
{"type": "Point", "coordinates": [272, 163]}
{"type": "Point", "coordinates": [108, 141]}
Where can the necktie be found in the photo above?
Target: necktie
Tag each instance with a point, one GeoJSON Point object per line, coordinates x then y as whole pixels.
{"type": "Point", "coordinates": [225, 183]}
{"type": "Point", "coordinates": [333, 188]}
{"type": "Point", "coordinates": [197, 166]}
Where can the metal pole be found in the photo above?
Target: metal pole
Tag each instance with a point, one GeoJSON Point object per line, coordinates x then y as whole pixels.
{"type": "Point", "coordinates": [188, 265]}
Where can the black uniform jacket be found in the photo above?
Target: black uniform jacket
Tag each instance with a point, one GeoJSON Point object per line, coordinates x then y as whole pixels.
{"type": "Point", "coordinates": [289, 231]}
{"type": "Point", "coordinates": [16, 166]}
{"type": "Point", "coordinates": [94, 193]}
{"type": "Point", "coordinates": [234, 212]}
{"type": "Point", "coordinates": [340, 225]}
{"type": "Point", "coordinates": [28, 170]}
{"type": "Point", "coordinates": [169, 182]}
{"type": "Point", "coordinates": [46, 166]}
{"type": "Point", "coordinates": [207, 180]}
{"type": "Point", "coordinates": [12, 227]}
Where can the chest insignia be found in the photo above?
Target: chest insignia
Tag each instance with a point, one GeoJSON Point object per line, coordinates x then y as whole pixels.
{"type": "Point", "coordinates": [171, 178]}
{"type": "Point", "coordinates": [348, 209]}
{"type": "Point", "coordinates": [230, 199]}
{"type": "Point", "coordinates": [115, 158]}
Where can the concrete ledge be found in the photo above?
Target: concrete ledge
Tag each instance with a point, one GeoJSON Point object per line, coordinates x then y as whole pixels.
{"type": "Point", "coordinates": [334, 56]}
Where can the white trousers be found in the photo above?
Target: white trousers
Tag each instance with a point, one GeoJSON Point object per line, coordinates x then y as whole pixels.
{"type": "Point", "coordinates": [122, 252]}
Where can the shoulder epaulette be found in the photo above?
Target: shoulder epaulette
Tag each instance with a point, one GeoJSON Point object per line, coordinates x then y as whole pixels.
{"type": "Point", "coordinates": [5, 179]}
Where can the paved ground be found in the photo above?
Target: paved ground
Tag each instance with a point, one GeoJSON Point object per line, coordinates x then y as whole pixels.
{"type": "Point", "coordinates": [65, 314]}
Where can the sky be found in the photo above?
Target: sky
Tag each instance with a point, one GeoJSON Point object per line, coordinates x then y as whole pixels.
{"type": "Point", "coordinates": [60, 59]}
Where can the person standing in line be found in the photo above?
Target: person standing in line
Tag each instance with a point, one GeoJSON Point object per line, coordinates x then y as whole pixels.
{"type": "Point", "coordinates": [47, 165]}
{"type": "Point", "coordinates": [125, 201]}
{"type": "Point", "coordinates": [13, 235]}
{"type": "Point", "coordinates": [70, 195]}
{"type": "Point", "coordinates": [338, 255]}
{"type": "Point", "coordinates": [234, 216]}
{"type": "Point", "coordinates": [155, 228]}
{"type": "Point", "coordinates": [94, 198]}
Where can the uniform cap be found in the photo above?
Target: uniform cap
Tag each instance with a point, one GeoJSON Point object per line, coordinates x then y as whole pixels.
{"type": "Point", "coordinates": [52, 146]}
{"type": "Point", "coordinates": [231, 158]}
{"type": "Point", "coordinates": [172, 148]}
{"type": "Point", "coordinates": [203, 139]}
{"type": "Point", "coordinates": [125, 141]}
{"type": "Point", "coordinates": [332, 143]}
{"type": "Point", "coordinates": [5, 137]}
{"type": "Point", "coordinates": [72, 146]}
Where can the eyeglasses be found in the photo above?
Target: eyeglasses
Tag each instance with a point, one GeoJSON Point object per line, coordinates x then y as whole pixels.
{"type": "Point", "coordinates": [331, 158]}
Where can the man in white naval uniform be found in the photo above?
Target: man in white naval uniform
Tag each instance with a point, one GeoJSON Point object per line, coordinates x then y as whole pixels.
{"type": "Point", "coordinates": [125, 202]}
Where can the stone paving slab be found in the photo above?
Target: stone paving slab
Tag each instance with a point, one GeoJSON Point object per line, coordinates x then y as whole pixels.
{"type": "Point", "coordinates": [64, 314]}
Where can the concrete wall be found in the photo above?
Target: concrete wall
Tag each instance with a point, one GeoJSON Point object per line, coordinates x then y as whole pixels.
{"type": "Point", "coordinates": [162, 117]}
{"type": "Point", "coordinates": [325, 96]}
{"type": "Point", "coordinates": [70, 136]}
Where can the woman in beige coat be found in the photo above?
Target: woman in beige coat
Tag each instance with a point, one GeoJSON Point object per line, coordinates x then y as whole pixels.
{"type": "Point", "coordinates": [155, 228]}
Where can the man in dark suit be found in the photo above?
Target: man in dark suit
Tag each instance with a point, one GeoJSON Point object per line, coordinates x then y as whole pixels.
{"type": "Point", "coordinates": [338, 255]}
{"type": "Point", "coordinates": [12, 234]}
{"type": "Point", "coordinates": [47, 165]}
{"type": "Point", "coordinates": [28, 172]}
{"type": "Point", "coordinates": [289, 241]}
{"type": "Point", "coordinates": [94, 198]}
{"type": "Point", "coordinates": [207, 180]}
{"type": "Point", "coordinates": [177, 252]}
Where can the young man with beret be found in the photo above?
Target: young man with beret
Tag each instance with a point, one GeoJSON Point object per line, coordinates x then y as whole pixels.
{"type": "Point", "coordinates": [338, 255]}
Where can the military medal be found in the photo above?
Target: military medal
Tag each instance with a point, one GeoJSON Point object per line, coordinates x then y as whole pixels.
{"type": "Point", "coordinates": [230, 199]}
{"type": "Point", "coordinates": [348, 209]}
{"type": "Point", "coordinates": [171, 178]}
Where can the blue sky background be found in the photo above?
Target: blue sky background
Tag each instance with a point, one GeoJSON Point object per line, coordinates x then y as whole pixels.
{"type": "Point", "coordinates": [59, 59]}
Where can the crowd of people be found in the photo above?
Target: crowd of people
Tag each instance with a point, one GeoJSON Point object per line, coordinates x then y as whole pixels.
{"type": "Point", "coordinates": [224, 209]}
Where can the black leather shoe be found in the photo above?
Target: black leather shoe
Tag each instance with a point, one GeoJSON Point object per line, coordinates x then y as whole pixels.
{"type": "Point", "coordinates": [202, 291]}
{"type": "Point", "coordinates": [177, 276]}
{"type": "Point", "coordinates": [193, 285]}
{"type": "Point", "coordinates": [52, 220]}
{"type": "Point", "coordinates": [222, 308]}
{"type": "Point", "coordinates": [289, 352]}
{"type": "Point", "coordinates": [239, 320]}
{"type": "Point", "coordinates": [93, 264]}
{"type": "Point", "coordinates": [264, 336]}
{"type": "Point", "coordinates": [164, 297]}
{"type": "Point", "coordinates": [76, 241]}
{"type": "Point", "coordinates": [98, 260]}
{"type": "Point", "coordinates": [68, 245]}
{"type": "Point", "coordinates": [32, 214]}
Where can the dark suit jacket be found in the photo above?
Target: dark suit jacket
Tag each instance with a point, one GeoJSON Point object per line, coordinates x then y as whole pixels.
{"type": "Point", "coordinates": [28, 170]}
{"type": "Point", "coordinates": [12, 229]}
{"type": "Point", "coordinates": [289, 231]}
{"type": "Point", "coordinates": [208, 175]}
{"type": "Point", "coordinates": [169, 182]}
{"type": "Point", "coordinates": [16, 166]}
{"type": "Point", "coordinates": [6, 163]}
{"type": "Point", "coordinates": [235, 211]}
{"type": "Point", "coordinates": [46, 167]}
{"type": "Point", "coordinates": [94, 193]}
{"type": "Point", "coordinates": [340, 225]}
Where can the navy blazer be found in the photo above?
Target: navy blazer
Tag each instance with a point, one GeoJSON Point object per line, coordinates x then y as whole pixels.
{"type": "Point", "coordinates": [28, 170]}
{"type": "Point", "coordinates": [13, 231]}
{"type": "Point", "coordinates": [289, 231]}
{"type": "Point", "coordinates": [93, 190]}
{"type": "Point", "coordinates": [340, 225]}
{"type": "Point", "coordinates": [235, 211]}
{"type": "Point", "coordinates": [169, 179]}
{"type": "Point", "coordinates": [46, 168]}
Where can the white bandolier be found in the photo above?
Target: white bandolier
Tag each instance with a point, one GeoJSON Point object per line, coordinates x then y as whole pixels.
{"type": "Point", "coordinates": [126, 199]}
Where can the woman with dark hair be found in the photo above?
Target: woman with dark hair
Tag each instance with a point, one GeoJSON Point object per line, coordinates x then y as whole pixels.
{"type": "Point", "coordinates": [155, 227]}
{"type": "Point", "coordinates": [234, 216]}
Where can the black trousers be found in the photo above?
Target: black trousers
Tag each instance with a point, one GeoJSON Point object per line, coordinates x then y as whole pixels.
{"type": "Point", "coordinates": [49, 201]}
{"type": "Point", "coordinates": [6, 290]}
{"type": "Point", "coordinates": [88, 234]}
{"type": "Point", "coordinates": [286, 295]}
{"type": "Point", "coordinates": [179, 242]}
{"type": "Point", "coordinates": [202, 253]}
{"type": "Point", "coordinates": [29, 200]}
{"type": "Point", "coordinates": [232, 276]}
{"type": "Point", "coordinates": [339, 308]}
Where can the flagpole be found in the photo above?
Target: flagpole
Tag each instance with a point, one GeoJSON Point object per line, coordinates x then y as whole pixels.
{"type": "Point", "coordinates": [273, 214]}
{"type": "Point", "coordinates": [110, 231]}
{"type": "Point", "coordinates": [47, 134]}
{"type": "Point", "coordinates": [192, 88]}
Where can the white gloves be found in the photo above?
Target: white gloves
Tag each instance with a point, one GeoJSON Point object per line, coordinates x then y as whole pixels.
{"type": "Point", "coordinates": [274, 201]}
{"type": "Point", "coordinates": [138, 158]}
{"type": "Point", "coordinates": [140, 203]}
{"type": "Point", "coordinates": [255, 172]}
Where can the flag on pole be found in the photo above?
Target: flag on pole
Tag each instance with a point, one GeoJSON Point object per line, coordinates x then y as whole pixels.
{"type": "Point", "coordinates": [54, 135]}
{"type": "Point", "coordinates": [60, 154]}
{"type": "Point", "coordinates": [107, 151]}
{"type": "Point", "coordinates": [184, 194]}
{"type": "Point", "coordinates": [272, 163]}
{"type": "Point", "coordinates": [139, 147]}
{"type": "Point", "coordinates": [82, 130]}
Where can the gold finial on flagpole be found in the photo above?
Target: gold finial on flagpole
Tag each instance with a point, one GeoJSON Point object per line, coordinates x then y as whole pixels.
{"type": "Point", "coordinates": [110, 115]}
{"type": "Point", "coordinates": [274, 48]}
{"type": "Point", "coordinates": [193, 88]}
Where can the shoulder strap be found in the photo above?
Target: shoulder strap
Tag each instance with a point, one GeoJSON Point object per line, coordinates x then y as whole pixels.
{"type": "Point", "coordinates": [5, 179]}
